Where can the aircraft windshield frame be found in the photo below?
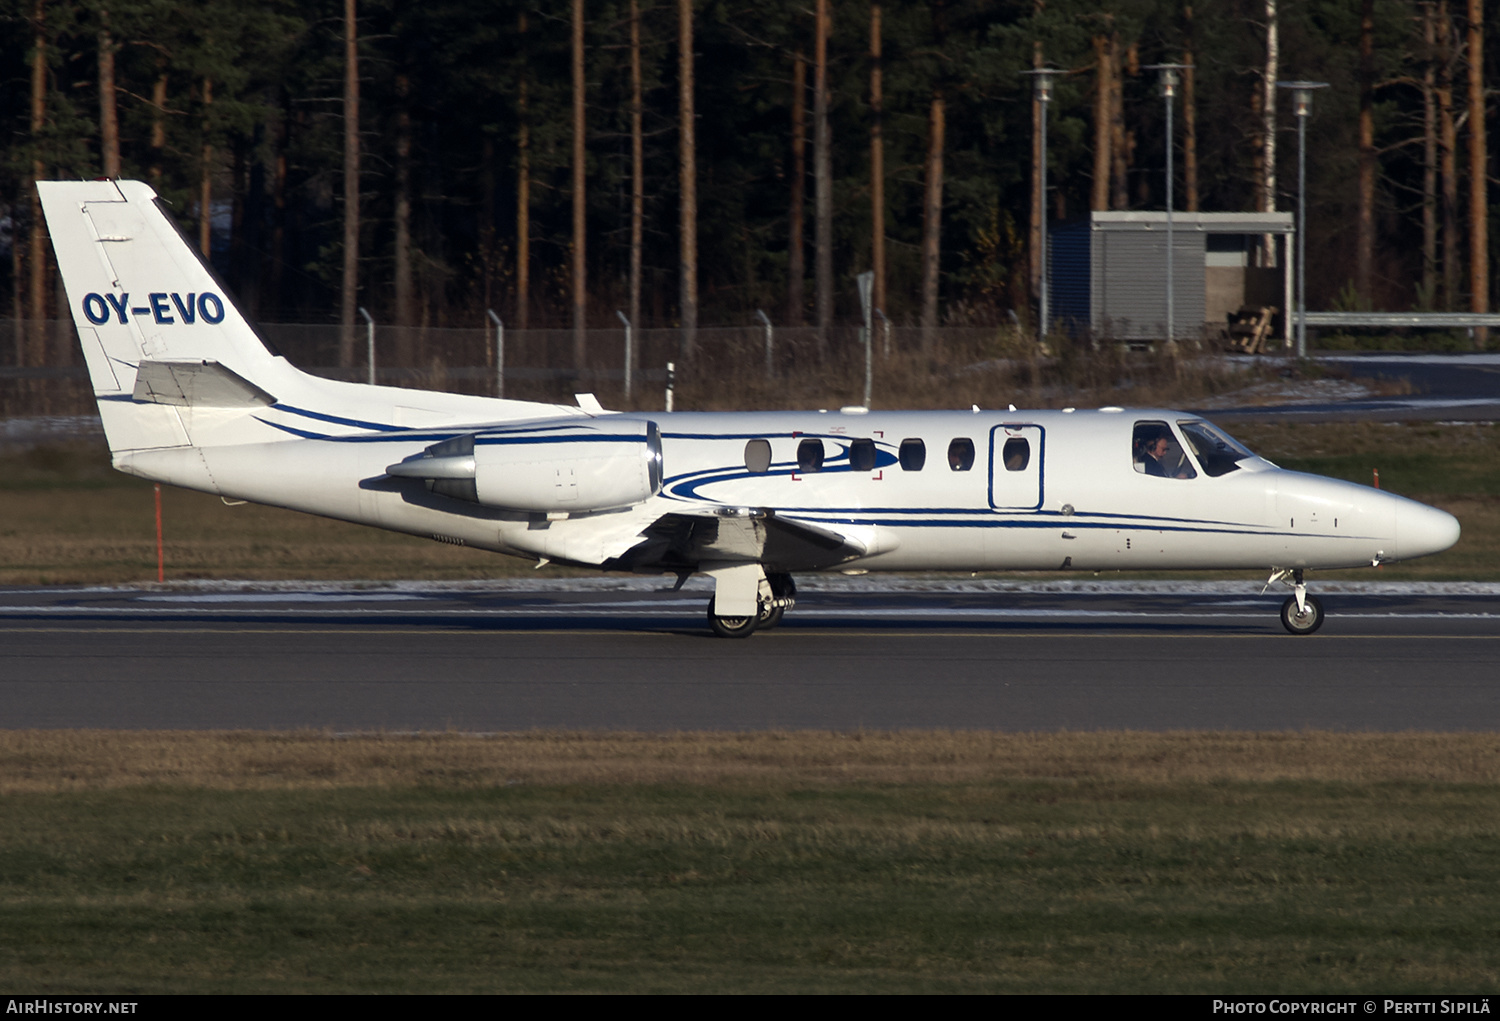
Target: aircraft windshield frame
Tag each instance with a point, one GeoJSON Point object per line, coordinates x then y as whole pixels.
{"type": "Point", "coordinates": [1215, 450]}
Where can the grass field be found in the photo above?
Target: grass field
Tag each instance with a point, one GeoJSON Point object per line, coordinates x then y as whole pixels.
{"type": "Point", "coordinates": [759, 862]}
{"type": "Point", "coordinates": [67, 518]}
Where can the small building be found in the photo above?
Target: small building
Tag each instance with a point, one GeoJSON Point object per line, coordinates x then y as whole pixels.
{"type": "Point", "coordinates": [1108, 273]}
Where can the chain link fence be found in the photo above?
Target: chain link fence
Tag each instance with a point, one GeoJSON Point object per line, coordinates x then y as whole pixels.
{"type": "Point", "coordinates": [729, 366]}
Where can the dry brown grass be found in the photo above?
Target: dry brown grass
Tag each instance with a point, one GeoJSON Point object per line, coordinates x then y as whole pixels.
{"type": "Point", "coordinates": [54, 761]}
{"type": "Point", "coordinates": [106, 535]}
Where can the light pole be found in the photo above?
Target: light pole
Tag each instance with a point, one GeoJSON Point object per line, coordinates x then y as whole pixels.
{"type": "Point", "coordinates": [369, 343]}
{"type": "Point", "coordinates": [1302, 106]}
{"type": "Point", "coordinates": [1169, 79]}
{"type": "Point", "coordinates": [1041, 79]}
{"type": "Point", "coordinates": [499, 352]}
{"type": "Point", "coordinates": [629, 351]}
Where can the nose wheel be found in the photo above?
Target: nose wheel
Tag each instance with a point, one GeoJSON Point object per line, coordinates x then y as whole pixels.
{"type": "Point", "coordinates": [1303, 620]}
{"type": "Point", "coordinates": [1301, 614]}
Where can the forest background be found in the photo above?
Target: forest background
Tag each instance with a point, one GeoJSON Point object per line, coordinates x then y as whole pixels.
{"type": "Point", "coordinates": [429, 161]}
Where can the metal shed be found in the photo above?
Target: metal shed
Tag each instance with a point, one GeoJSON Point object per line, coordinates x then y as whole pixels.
{"type": "Point", "coordinates": [1108, 272]}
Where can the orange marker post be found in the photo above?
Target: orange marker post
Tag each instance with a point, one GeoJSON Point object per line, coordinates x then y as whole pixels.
{"type": "Point", "coordinates": [161, 563]}
{"type": "Point", "coordinates": [1377, 478]}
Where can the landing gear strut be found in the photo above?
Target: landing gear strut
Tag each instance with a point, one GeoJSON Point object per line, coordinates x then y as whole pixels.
{"type": "Point", "coordinates": [1301, 614]}
{"type": "Point", "coordinates": [783, 597]}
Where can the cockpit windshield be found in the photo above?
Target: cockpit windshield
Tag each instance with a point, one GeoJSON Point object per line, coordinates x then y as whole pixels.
{"type": "Point", "coordinates": [1215, 450]}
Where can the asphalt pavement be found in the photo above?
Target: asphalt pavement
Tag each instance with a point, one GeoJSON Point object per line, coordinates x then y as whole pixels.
{"type": "Point", "coordinates": [930, 654]}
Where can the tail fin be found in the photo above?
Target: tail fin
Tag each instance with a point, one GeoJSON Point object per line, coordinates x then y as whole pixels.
{"type": "Point", "coordinates": [175, 364]}
{"type": "Point", "coordinates": [158, 332]}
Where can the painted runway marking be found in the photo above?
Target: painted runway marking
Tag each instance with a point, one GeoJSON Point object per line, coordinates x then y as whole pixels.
{"type": "Point", "coordinates": [787, 633]}
{"type": "Point", "coordinates": [285, 597]}
{"type": "Point", "coordinates": [647, 608]}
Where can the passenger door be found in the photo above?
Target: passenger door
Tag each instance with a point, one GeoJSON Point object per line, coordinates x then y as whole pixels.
{"type": "Point", "coordinates": [1016, 456]}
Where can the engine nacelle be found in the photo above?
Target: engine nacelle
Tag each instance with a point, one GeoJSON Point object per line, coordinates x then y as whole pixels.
{"type": "Point", "coordinates": [601, 464]}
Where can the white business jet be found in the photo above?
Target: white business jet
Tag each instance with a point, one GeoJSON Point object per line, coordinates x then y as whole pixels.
{"type": "Point", "coordinates": [191, 396]}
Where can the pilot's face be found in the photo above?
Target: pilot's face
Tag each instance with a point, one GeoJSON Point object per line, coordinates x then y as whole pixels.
{"type": "Point", "coordinates": [1158, 447]}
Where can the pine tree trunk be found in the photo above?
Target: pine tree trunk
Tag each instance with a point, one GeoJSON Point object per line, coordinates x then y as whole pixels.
{"type": "Point", "coordinates": [1364, 245]}
{"type": "Point", "coordinates": [580, 270]}
{"type": "Point", "coordinates": [932, 214]}
{"type": "Point", "coordinates": [1479, 255]}
{"type": "Point", "coordinates": [523, 191]}
{"type": "Point", "coordinates": [109, 119]}
{"type": "Point", "coordinates": [403, 270]}
{"type": "Point", "coordinates": [158, 121]}
{"type": "Point", "coordinates": [796, 266]}
{"type": "Point", "coordinates": [1189, 116]}
{"type": "Point", "coordinates": [1118, 146]}
{"type": "Point", "coordinates": [877, 164]}
{"type": "Point", "coordinates": [822, 185]}
{"type": "Point", "coordinates": [1104, 91]}
{"type": "Point", "coordinates": [488, 248]}
{"type": "Point", "coordinates": [1429, 157]}
{"type": "Point", "coordinates": [1448, 158]}
{"type": "Point", "coordinates": [36, 250]}
{"type": "Point", "coordinates": [278, 206]}
{"type": "Point", "coordinates": [688, 181]}
{"type": "Point", "coordinates": [206, 177]}
{"type": "Point", "coordinates": [349, 290]}
{"type": "Point", "coordinates": [637, 171]}
{"type": "Point", "coordinates": [1268, 108]}
{"type": "Point", "coordinates": [1038, 214]}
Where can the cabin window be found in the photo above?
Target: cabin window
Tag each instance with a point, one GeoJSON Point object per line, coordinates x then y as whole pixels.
{"type": "Point", "coordinates": [758, 456]}
{"type": "Point", "coordinates": [1215, 450]}
{"type": "Point", "coordinates": [961, 454]}
{"type": "Point", "coordinates": [1016, 454]}
{"type": "Point", "coordinates": [913, 455]}
{"type": "Point", "coordinates": [862, 455]}
{"type": "Point", "coordinates": [1155, 451]}
{"type": "Point", "coordinates": [810, 455]}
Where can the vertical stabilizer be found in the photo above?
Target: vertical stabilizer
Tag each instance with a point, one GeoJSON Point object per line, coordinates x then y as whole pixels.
{"type": "Point", "coordinates": [144, 302]}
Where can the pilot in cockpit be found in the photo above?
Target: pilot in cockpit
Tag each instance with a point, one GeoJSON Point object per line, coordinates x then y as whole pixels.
{"type": "Point", "coordinates": [1156, 453]}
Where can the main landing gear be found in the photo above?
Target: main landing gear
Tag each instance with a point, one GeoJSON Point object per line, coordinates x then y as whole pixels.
{"type": "Point", "coordinates": [1301, 614]}
{"type": "Point", "coordinates": [776, 594]}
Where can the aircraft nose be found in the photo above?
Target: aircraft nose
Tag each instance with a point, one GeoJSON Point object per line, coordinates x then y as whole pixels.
{"type": "Point", "coordinates": [1422, 530]}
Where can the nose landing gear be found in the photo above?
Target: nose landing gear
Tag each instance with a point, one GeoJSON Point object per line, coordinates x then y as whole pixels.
{"type": "Point", "coordinates": [1301, 614]}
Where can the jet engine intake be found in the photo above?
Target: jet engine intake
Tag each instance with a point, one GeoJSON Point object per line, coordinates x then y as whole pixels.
{"type": "Point", "coordinates": [605, 464]}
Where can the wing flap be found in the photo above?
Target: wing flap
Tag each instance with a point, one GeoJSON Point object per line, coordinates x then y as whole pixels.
{"type": "Point", "coordinates": [682, 541]}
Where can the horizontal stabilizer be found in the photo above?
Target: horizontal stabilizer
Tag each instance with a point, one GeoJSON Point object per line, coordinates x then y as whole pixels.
{"type": "Point", "coordinates": [196, 383]}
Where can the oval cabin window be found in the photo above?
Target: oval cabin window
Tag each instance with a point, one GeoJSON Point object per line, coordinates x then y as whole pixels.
{"type": "Point", "coordinates": [810, 455]}
{"type": "Point", "coordinates": [1016, 454]}
{"type": "Point", "coordinates": [862, 455]}
{"type": "Point", "coordinates": [961, 454]}
{"type": "Point", "coordinates": [913, 455]}
{"type": "Point", "coordinates": [758, 456]}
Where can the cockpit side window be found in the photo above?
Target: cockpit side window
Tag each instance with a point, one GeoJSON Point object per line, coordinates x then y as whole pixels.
{"type": "Point", "coordinates": [1155, 451]}
{"type": "Point", "coordinates": [1215, 450]}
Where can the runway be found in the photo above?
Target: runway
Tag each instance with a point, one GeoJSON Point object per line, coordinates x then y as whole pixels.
{"type": "Point", "coordinates": [630, 656]}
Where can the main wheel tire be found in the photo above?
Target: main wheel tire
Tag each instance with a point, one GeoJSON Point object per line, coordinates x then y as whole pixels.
{"type": "Point", "coordinates": [731, 627]}
{"type": "Point", "coordinates": [770, 616]}
{"type": "Point", "coordinates": [1302, 623]}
